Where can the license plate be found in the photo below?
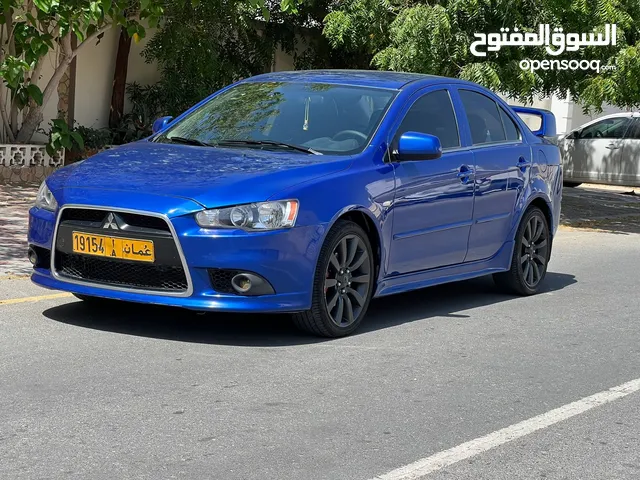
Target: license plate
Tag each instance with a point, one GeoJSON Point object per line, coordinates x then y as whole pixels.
{"type": "Point", "coordinates": [113, 247]}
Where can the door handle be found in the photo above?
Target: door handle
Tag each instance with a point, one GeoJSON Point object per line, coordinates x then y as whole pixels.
{"type": "Point", "coordinates": [464, 172]}
{"type": "Point", "coordinates": [612, 146]}
{"type": "Point", "coordinates": [523, 163]}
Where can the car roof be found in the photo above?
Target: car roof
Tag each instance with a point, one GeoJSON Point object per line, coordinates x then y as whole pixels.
{"type": "Point", "coordinates": [362, 78]}
{"type": "Point", "coordinates": [605, 117]}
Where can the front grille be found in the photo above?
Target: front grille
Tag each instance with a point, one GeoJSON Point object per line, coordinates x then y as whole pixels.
{"type": "Point", "coordinates": [145, 221]}
{"type": "Point", "coordinates": [121, 273]}
{"type": "Point", "coordinates": [221, 279]}
{"type": "Point", "coordinates": [98, 216]}
{"type": "Point", "coordinates": [83, 215]}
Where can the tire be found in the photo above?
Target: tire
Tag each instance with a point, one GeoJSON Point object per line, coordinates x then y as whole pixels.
{"type": "Point", "coordinates": [531, 254]}
{"type": "Point", "coordinates": [571, 184]}
{"type": "Point", "coordinates": [343, 283]}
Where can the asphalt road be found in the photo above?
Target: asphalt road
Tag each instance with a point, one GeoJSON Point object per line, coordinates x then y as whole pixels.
{"type": "Point", "coordinates": [132, 392]}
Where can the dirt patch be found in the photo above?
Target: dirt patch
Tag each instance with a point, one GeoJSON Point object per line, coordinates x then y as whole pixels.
{"type": "Point", "coordinates": [595, 207]}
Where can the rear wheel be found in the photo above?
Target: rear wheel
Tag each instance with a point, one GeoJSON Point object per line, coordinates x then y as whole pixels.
{"type": "Point", "coordinates": [343, 283]}
{"type": "Point", "coordinates": [530, 255]}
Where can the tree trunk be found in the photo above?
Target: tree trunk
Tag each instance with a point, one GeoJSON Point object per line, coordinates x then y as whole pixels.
{"type": "Point", "coordinates": [30, 124]}
{"type": "Point", "coordinates": [119, 79]}
{"type": "Point", "coordinates": [35, 115]}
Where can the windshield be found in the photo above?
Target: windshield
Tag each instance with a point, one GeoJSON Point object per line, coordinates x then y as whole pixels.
{"type": "Point", "coordinates": [320, 118]}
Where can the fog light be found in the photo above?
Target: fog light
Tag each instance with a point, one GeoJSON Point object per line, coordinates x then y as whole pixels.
{"type": "Point", "coordinates": [33, 256]}
{"type": "Point", "coordinates": [241, 283]}
{"type": "Point", "coordinates": [247, 283]}
{"type": "Point", "coordinates": [39, 257]}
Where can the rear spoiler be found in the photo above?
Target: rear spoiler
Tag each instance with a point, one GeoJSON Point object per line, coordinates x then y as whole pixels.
{"type": "Point", "coordinates": [547, 120]}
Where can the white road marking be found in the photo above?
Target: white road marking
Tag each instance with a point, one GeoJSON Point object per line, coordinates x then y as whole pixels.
{"type": "Point", "coordinates": [438, 461]}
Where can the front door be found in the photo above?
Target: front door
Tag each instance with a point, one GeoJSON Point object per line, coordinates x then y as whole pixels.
{"type": "Point", "coordinates": [433, 205]}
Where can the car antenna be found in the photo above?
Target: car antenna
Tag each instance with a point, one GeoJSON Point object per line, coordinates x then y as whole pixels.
{"type": "Point", "coordinates": [305, 125]}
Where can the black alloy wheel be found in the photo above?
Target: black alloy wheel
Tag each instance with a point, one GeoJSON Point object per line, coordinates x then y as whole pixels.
{"type": "Point", "coordinates": [347, 280]}
{"type": "Point", "coordinates": [531, 254]}
{"type": "Point", "coordinates": [534, 248]}
{"type": "Point", "coordinates": [343, 283]}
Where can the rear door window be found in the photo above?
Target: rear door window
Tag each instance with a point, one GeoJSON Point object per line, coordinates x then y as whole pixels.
{"type": "Point", "coordinates": [634, 130]}
{"type": "Point", "coordinates": [484, 118]}
{"type": "Point", "coordinates": [510, 128]}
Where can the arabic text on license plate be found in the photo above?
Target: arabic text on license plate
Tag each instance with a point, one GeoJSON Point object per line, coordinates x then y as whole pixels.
{"type": "Point", "coordinates": [113, 247]}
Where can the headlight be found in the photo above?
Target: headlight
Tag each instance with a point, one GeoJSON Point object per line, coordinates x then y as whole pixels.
{"type": "Point", "coordinates": [45, 198]}
{"type": "Point", "coordinates": [253, 216]}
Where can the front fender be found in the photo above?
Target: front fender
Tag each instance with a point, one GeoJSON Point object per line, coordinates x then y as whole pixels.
{"type": "Point", "coordinates": [365, 189]}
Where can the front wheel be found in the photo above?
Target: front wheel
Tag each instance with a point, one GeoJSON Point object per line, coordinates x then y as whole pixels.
{"type": "Point", "coordinates": [531, 254]}
{"type": "Point", "coordinates": [343, 283]}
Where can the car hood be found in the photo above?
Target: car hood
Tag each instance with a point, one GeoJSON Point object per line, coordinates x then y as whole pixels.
{"type": "Point", "coordinates": [210, 176]}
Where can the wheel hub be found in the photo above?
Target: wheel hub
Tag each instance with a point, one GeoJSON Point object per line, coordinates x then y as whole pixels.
{"type": "Point", "coordinates": [343, 279]}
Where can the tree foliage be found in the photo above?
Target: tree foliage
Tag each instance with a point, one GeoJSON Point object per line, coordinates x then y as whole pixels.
{"type": "Point", "coordinates": [34, 29]}
{"type": "Point", "coordinates": [202, 47]}
{"type": "Point", "coordinates": [434, 37]}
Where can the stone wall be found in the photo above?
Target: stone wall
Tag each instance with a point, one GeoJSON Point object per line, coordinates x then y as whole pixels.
{"type": "Point", "coordinates": [24, 164]}
{"type": "Point", "coordinates": [24, 175]}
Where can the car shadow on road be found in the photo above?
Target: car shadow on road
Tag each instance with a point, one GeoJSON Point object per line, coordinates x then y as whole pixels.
{"type": "Point", "coordinates": [263, 330]}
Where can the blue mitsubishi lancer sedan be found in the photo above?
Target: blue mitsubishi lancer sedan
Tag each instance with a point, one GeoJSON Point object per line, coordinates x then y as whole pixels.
{"type": "Point", "coordinates": [310, 193]}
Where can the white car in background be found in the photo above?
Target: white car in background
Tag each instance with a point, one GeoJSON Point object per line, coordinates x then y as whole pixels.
{"type": "Point", "coordinates": [605, 150]}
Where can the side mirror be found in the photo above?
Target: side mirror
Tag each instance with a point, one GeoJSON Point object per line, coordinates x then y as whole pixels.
{"type": "Point", "coordinates": [418, 146]}
{"type": "Point", "coordinates": [160, 123]}
{"type": "Point", "coordinates": [546, 119]}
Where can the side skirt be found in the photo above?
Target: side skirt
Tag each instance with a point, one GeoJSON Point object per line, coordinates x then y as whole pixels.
{"type": "Point", "coordinates": [500, 262]}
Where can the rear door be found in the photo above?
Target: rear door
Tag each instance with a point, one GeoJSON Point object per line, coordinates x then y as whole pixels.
{"type": "Point", "coordinates": [502, 164]}
{"type": "Point", "coordinates": [629, 171]}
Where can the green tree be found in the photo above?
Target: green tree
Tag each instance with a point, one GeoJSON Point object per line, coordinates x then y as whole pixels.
{"type": "Point", "coordinates": [33, 29]}
{"type": "Point", "coordinates": [204, 46]}
{"type": "Point", "coordinates": [435, 37]}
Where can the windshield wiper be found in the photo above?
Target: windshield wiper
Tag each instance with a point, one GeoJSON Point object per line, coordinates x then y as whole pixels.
{"type": "Point", "coordinates": [189, 141]}
{"type": "Point", "coordinates": [271, 143]}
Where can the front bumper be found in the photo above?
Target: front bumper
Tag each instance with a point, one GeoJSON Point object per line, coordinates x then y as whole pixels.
{"type": "Point", "coordinates": [285, 258]}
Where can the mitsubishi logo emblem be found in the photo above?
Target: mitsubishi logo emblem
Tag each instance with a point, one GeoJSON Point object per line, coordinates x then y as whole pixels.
{"type": "Point", "coordinates": [110, 222]}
